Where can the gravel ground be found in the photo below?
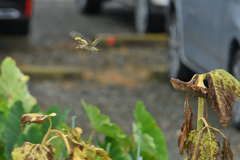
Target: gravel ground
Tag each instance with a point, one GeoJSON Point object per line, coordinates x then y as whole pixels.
{"type": "Point", "coordinates": [113, 80]}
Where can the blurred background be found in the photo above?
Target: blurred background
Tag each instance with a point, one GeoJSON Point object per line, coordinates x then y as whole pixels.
{"type": "Point", "coordinates": [132, 65]}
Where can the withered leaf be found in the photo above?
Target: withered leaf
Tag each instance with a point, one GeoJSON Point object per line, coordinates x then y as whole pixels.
{"type": "Point", "coordinates": [34, 118]}
{"type": "Point", "coordinates": [29, 151]}
{"type": "Point", "coordinates": [186, 127]}
{"type": "Point", "coordinates": [192, 87]}
{"type": "Point", "coordinates": [224, 91]}
{"type": "Point", "coordinates": [80, 150]}
{"type": "Point", "coordinates": [226, 150]}
{"type": "Point", "coordinates": [201, 145]}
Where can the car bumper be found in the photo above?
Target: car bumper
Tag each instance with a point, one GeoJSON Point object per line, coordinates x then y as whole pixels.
{"type": "Point", "coordinates": [9, 13]}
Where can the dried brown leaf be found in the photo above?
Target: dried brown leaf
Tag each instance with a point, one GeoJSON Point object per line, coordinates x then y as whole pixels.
{"type": "Point", "coordinates": [186, 127]}
{"type": "Point", "coordinates": [33, 118]}
{"type": "Point", "coordinates": [224, 91]}
{"type": "Point", "coordinates": [226, 150]}
{"type": "Point", "coordinates": [190, 87]}
{"type": "Point", "coordinates": [29, 151]}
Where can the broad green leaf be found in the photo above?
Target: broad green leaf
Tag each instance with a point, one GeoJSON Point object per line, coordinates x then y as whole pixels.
{"type": "Point", "coordinates": [12, 131]}
{"type": "Point", "coordinates": [148, 147]}
{"type": "Point", "coordinates": [116, 152]}
{"type": "Point", "coordinates": [224, 91]}
{"type": "Point", "coordinates": [34, 151]}
{"type": "Point", "coordinates": [34, 134]}
{"type": "Point", "coordinates": [103, 125]}
{"type": "Point", "coordinates": [13, 85]}
{"type": "Point", "coordinates": [202, 145]}
{"type": "Point", "coordinates": [4, 111]}
{"type": "Point", "coordinates": [36, 109]}
{"type": "Point", "coordinates": [2, 147]}
{"type": "Point", "coordinates": [149, 127]}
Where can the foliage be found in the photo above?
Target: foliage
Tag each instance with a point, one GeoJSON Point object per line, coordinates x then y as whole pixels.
{"type": "Point", "coordinates": [79, 150]}
{"type": "Point", "coordinates": [122, 146]}
{"type": "Point", "coordinates": [16, 100]}
{"type": "Point", "coordinates": [13, 85]}
{"type": "Point", "coordinates": [223, 91]}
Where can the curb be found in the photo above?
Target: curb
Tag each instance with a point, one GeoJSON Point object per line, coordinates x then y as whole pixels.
{"type": "Point", "coordinates": [113, 39]}
{"type": "Point", "coordinates": [49, 72]}
{"type": "Point", "coordinates": [58, 72]}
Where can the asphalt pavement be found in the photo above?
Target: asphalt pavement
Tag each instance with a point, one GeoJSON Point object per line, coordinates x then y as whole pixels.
{"type": "Point", "coordinates": [113, 80]}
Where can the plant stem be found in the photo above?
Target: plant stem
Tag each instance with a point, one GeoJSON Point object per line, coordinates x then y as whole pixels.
{"type": "Point", "coordinates": [91, 136]}
{"type": "Point", "coordinates": [200, 113]}
{"type": "Point", "coordinates": [139, 144]}
{"type": "Point", "coordinates": [59, 134]}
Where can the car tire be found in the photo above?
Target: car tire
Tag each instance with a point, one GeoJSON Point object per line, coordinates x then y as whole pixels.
{"type": "Point", "coordinates": [175, 68]}
{"type": "Point", "coordinates": [235, 70]}
{"type": "Point", "coordinates": [89, 6]}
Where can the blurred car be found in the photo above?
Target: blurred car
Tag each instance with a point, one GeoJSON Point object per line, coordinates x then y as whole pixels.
{"type": "Point", "coordinates": [15, 16]}
{"type": "Point", "coordinates": [149, 15]}
{"type": "Point", "coordinates": [204, 35]}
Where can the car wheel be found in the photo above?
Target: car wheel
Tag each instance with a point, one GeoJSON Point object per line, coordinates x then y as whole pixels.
{"type": "Point", "coordinates": [235, 70]}
{"type": "Point", "coordinates": [89, 6]}
{"type": "Point", "coordinates": [175, 68]}
{"type": "Point", "coordinates": [141, 16]}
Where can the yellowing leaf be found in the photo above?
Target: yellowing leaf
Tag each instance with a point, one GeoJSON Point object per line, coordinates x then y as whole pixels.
{"type": "Point", "coordinates": [202, 145]}
{"type": "Point", "coordinates": [34, 118]}
{"type": "Point", "coordinates": [33, 151]}
{"type": "Point", "coordinates": [81, 150]}
{"type": "Point", "coordinates": [224, 91]}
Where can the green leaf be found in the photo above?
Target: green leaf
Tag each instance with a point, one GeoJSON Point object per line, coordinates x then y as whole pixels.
{"type": "Point", "coordinates": [152, 135]}
{"type": "Point", "coordinates": [2, 147]}
{"type": "Point", "coordinates": [13, 85]}
{"type": "Point", "coordinates": [34, 134]}
{"type": "Point", "coordinates": [13, 132]}
{"type": "Point", "coordinates": [224, 91]}
{"type": "Point", "coordinates": [4, 111]}
{"type": "Point", "coordinates": [103, 125]}
{"type": "Point", "coordinates": [36, 109]}
{"type": "Point", "coordinates": [116, 152]}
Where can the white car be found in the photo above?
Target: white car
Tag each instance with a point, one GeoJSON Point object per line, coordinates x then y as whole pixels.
{"type": "Point", "coordinates": [149, 15]}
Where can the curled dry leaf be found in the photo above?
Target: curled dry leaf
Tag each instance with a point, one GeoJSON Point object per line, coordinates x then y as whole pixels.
{"type": "Point", "coordinates": [194, 87]}
{"type": "Point", "coordinates": [33, 151]}
{"type": "Point", "coordinates": [226, 150]}
{"type": "Point", "coordinates": [76, 132]}
{"type": "Point", "coordinates": [224, 91]}
{"type": "Point", "coordinates": [34, 118]}
{"type": "Point", "coordinates": [202, 145]}
{"type": "Point", "coordinates": [80, 150]}
{"type": "Point", "coordinates": [187, 127]}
